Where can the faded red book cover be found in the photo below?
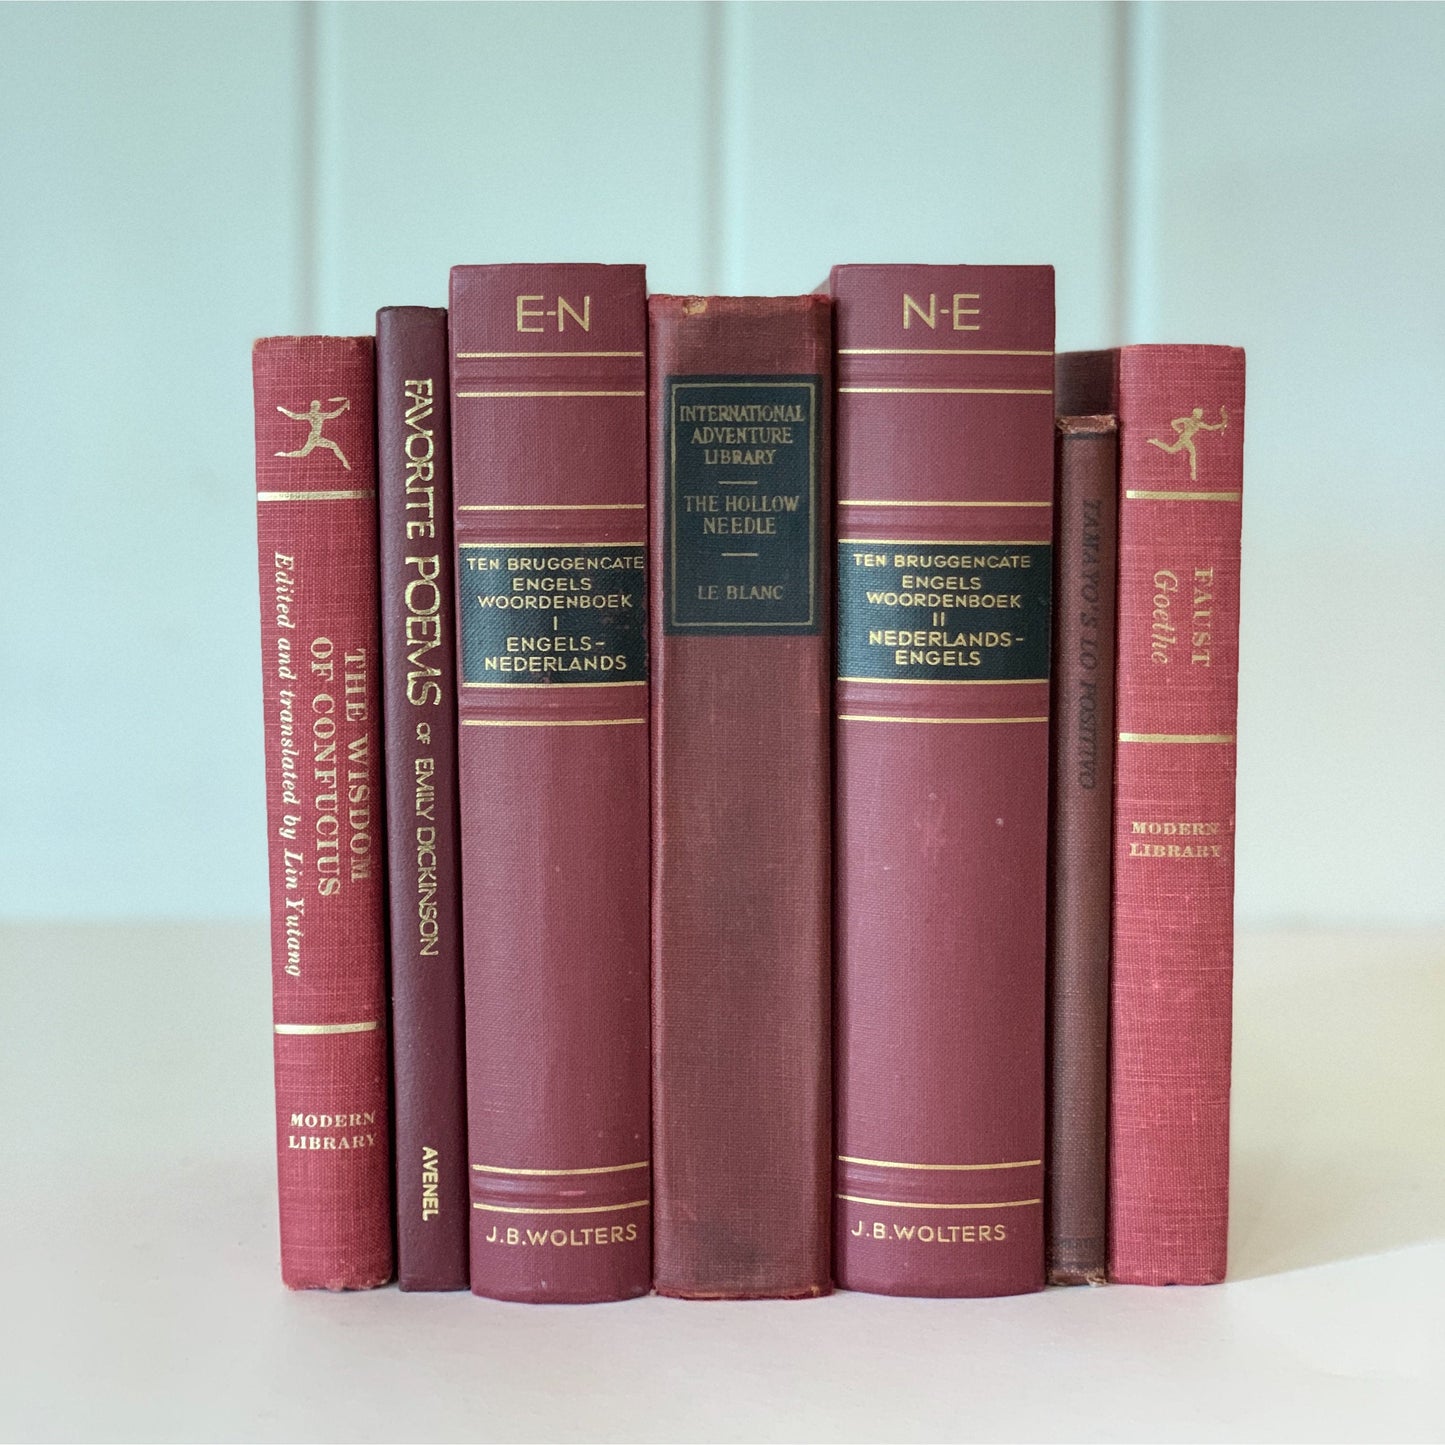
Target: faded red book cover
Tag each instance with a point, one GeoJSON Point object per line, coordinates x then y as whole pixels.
{"type": "Point", "coordinates": [549, 447]}
{"type": "Point", "coordinates": [1081, 821]}
{"type": "Point", "coordinates": [945, 506]}
{"type": "Point", "coordinates": [741, 629]}
{"type": "Point", "coordinates": [1181, 474]}
{"type": "Point", "coordinates": [414, 473]}
{"type": "Point", "coordinates": [326, 834]}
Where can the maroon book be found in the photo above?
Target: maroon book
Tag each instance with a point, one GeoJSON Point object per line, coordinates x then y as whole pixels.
{"type": "Point", "coordinates": [1181, 474]}
{"type": "Point", "coordinates": [741, 651]}
{"type": "Point", "coordinates": [1081, 828]}
{"type": "Point", "coordinates": [414, 475]}
{"type": "Point", "coordinates": [945, 492]}
{"type": "Point", "coordinates": [321, 695]}
{"type": "Point", "coordinates": [549, 445]}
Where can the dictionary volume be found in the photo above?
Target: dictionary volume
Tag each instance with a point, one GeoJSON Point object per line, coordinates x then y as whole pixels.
{"type": "Point", "coordinates": [419, 660]}
{"type": "Point", "coordinates": [945, 487]}
{"type": "Point", "coordinates": [321, 695]}
{"type": "Point", "coordinates": [741, 646]}
{"type": "Point", "coordinates": [1181, 436]}
{"type": "Point", "coordinates": [549, 445]}
{"type": "Point", "coordinates": [1081, 847]}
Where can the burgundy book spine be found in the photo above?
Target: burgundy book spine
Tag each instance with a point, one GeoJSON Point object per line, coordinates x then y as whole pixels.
{"type": "Point", "coordinates": [1181, 474]}
{"type": "Point", "coordinates": [321, 694]}
{"type": "Point", "coordinates": [549, 444]}
{"type": "Point", "coordinates": [1081, 847]}
{"type": "Point", "coordinates": [414, 477]}
{"type": "Point", "coordinates": [741, 651]}
{"type": "Point", "coordinates": [945, 492]}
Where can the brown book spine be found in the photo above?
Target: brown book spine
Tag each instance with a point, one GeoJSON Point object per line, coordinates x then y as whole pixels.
{"type": "Point", "coordinates": [414, 477]}
{"type": "Point", "coordinates": [1081, 828]}
{"type": "Point", "coordinates": [741, 628]}
{"type": "Point", "coordinates": [321, 693]}
{"type": "Point", "coordinates": [549, 422]}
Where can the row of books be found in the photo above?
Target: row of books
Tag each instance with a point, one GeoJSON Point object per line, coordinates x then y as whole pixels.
{"type": "Point", "coordinates": [658, 691]}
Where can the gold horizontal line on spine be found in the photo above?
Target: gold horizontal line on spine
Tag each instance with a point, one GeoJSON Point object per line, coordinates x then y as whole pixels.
{"type": "Point", "coordinates": [932, 351]}
{"type": "Point", "coordinates": [361, 494]}
{"type": "Point", "coordinates": [484, 394]}
{"type": "Point", "coordinates": [558, 1173]}
{"type": "Point", "coordinates": [878, 717]}
{"type": "Point", "coordinates": [897, 1164]}
{"type": "Point", "coordinates": [642, 682]}
{"type": "Point", "coordinates": [1176, 737]}
{"type": "Point", "coordinates": [895, 502]}
{"type": "Point", "coordinates": [586, 722]}
{"type": "Point", "coordinates": [590, 1209]}
{"type": "Point", "coordinates": [948, 390]}
{"type": "Point", "coordinates": [950, 681]}
{"type": "Point", "coordinates": [899, 1204]}
{"type": "Point", "coordinates": [550, 507]}
{"type": "Point", "coordinates": [358, 1028]}
{"type": "Point", "coordinates": [1141, 496]}
{"type": "Point", "coordinates": [553, 544]}
{"type": "Point", "coordinates": [527, 355]}
{"type": "Point", "coordinates": [947, 542]}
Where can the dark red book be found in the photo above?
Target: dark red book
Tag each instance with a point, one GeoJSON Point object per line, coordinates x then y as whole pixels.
{"type": "Point", "coordinates": [1081, 847]}
{"type": "Point", "coordinates": [742, 660]}
{"type": "Point", "coordinates": [326, 828]}
{"type": "Point", "coordinates": [414, 473]}
{"type": "Point", "coordinates": [945, 505]}
{"type": "Point", "coordinates": [549, 447]}
{"type": "Point", "coordinates": [1181, 473]}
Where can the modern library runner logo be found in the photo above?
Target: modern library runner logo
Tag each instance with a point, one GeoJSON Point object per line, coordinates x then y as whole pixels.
{"type": "Point", "coordinates": [1185, 429]}
{"type": "Point", "coordinates": [316, 419]}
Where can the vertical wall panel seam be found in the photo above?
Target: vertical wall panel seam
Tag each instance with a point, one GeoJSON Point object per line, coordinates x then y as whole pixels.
{"type": "Point", "coordinates": [307, 167]}
{"type": "Point", "coordinates": [714, 103]}
{"type": "Point", "coordinates": [733, 53]}
{"type": "Point", "coordinates": [1121, 15]}
{"type": "Point", "coordinates": [1143, 85]}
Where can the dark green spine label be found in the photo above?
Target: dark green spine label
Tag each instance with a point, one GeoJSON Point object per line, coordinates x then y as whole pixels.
{"type": "Point", "coordinates": [556, 613]}
{"type": "Point", "coordinates": [944, 611]}
{"type": "Point", "coordinates": [741, 534]}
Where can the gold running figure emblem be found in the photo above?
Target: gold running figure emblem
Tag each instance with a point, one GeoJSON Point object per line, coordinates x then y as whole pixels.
{"type": "Point", "coordinates": [316, 418]}
{"type": "Point", "coordinates": [1185, 430]}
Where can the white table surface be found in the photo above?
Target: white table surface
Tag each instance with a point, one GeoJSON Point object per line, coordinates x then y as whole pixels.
{"type": "Point", "coordinates": [143, 1300]}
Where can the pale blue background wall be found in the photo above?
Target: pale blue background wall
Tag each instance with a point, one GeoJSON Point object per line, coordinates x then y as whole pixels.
{"type": "Point", "coordinates": [179, 179]}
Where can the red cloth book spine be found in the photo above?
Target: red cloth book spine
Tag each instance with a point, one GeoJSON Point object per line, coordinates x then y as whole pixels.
{"type": "Point", "coordinates": [945, 492]}
{"type": "Point", "coordinates": [1181, 473]}
{"type": "Point", "coordinates": [549, 447]}
{"type": "Point", "coordinates": [414, 477]}
{"type": "Point", "coordinates": [321, 695]}
{"type": "Point", "coordinates": [1081, 848]}
{"type": "Point", "coordinates": [741, 650]}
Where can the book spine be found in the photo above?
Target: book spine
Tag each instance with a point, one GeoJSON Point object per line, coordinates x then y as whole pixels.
{"type": "Point", "coordinates": [945, 490]}
{"type": "Point", "coordinates": [1081, 847]}
{"type": "Point", "coordinates": [549, 431]}
{"type": "Point", "coordinates": [414, 480]}
{"type": "Point", "coordinates": [1181, 450]}
{"type": "Point", "coordinates": [741, 646]}
{"type": "Point", "coordinates": [321, 674]}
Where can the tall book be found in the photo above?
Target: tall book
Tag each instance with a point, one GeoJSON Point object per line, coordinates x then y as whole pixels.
{"type": "Point", "coordinates": [1081, 826]}
{"type": "Point", "coordinates": [945, 492]}
{"type": "Point", "coordinates": [549, 446]}
{"type": "Point", "coordinates": [741, 652]}
{"type": "Point", "coordinates": [321, 697]}
{"type": "Point", "coordinates": [414, 475]}
{"type": "Point", "coordinates": [1181, 474]}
